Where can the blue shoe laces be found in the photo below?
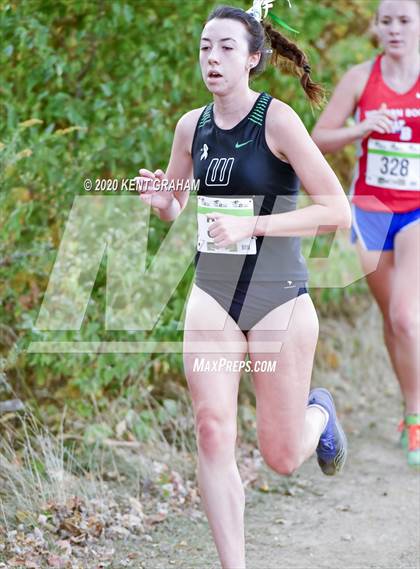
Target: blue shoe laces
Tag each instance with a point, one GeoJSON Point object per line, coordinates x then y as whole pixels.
{"type": "Point", "coordinates": [327, 442]}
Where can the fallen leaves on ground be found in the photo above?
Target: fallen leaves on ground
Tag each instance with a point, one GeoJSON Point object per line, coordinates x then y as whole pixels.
{"type": "Point", "coordinates": [77, 532]}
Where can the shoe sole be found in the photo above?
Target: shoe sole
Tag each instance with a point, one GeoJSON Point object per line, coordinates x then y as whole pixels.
{"type": "Point", "coordinates": [336, 466]}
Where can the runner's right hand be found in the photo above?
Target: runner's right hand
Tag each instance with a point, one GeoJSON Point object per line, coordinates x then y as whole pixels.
{"type": "Point", "coordinates": [155, 197]}
{"type": "Point", "coordinates": [379, 121]}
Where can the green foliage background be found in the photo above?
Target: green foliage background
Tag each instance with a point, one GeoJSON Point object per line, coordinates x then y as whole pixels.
{"type": "Point", "coordinates": [106, 82]}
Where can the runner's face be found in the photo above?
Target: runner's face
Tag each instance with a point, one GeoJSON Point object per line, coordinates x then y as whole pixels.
{"type": "Point", "coordinates": [224, 55]}
{"type": "Point", "coordinates": [398, 26]}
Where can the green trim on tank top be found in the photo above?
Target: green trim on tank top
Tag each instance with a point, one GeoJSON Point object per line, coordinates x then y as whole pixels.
{"type": "Point", "coordinates": [259, 110]}
{"type": "Point", "coordinates": [256, 116]}
{"type": "Point", "coordinates": [258, 113]}
{"type": "Point", "coordinates": [206, 116]}
{"type": "Point", "coordinates": [263, 101]}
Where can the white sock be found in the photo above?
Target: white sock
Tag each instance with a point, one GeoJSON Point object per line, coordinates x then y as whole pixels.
{"type": "Point", "coordinates": [324, 412]}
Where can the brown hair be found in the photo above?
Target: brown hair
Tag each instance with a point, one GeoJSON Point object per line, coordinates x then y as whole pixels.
{"type": "Point", "coordinates": [285, 54]}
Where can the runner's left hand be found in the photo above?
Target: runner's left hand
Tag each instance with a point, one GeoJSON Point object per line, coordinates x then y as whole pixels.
{"type": "Point", "coordinates": [229, 229]}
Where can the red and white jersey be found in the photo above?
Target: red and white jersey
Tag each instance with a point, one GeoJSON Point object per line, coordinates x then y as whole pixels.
{"type": "Point", "coordinates": [388, 165]}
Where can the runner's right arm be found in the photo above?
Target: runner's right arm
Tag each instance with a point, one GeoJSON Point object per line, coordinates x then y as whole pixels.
{"type": "Point", "coordinates": [329, 133]}
{"type": "Point", "coordinates": [167, 204]}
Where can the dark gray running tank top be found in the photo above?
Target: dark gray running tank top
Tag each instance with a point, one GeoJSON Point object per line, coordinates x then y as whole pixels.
{"type": "Point", "coordinates": [238, 162]}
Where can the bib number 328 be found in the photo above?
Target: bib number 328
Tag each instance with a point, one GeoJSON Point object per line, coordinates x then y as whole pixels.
{"type": "Point", "coordinates": [393, 165]}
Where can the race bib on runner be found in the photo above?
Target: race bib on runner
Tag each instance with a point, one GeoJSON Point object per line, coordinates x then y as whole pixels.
{"type": "Point", "coordinates": [393, 165]}
{"type": "Point", "coordinates": [228, 206]}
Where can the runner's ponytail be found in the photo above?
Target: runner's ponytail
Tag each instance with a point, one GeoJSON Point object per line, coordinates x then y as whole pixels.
{"type": "Point", "coordinates": [287, 56]}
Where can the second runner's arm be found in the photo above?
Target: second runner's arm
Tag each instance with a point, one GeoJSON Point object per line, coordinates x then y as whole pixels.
{"type": "Point", "coordinates": [330, 133]}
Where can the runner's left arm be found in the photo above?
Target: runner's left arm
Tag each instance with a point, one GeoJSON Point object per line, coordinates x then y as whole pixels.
{"type": "Point", "coordinates": [330, 209]}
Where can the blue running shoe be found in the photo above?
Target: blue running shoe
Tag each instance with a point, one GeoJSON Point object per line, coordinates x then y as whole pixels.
{"type": "Point", "coordinates": [332, 447]}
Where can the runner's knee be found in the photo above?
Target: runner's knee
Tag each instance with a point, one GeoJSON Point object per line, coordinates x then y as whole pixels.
{"type": "Point", "coordinates": [282, 459]}
{"type": "Point", "coordinates": [404, 322]}
{"type": "Point", "coordinates": [216, 434]}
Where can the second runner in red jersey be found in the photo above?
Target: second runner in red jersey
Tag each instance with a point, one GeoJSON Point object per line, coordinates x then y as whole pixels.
{"type": "Point", "coordinates": [389, 164]}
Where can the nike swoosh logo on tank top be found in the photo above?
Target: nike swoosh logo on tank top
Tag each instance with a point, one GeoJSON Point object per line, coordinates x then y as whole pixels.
{"type": "Point", "coordinates": [238, 145]}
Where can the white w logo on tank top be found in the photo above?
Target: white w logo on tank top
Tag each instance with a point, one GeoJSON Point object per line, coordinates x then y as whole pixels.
{"type": "Point", "coordinates": [219, 171]}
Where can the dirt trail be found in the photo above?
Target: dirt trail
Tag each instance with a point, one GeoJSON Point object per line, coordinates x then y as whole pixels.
{"type": "Point", "coordinates": [366, 518]}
